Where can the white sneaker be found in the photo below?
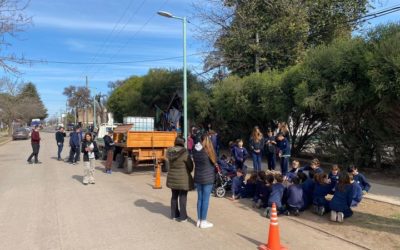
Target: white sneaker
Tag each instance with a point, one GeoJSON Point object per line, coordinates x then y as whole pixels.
{"type": "Point", "coordinates": [340, 217]}
{"type": "Point", "coordinates": [333, 216]}
{"type": "Point", "coordinates": [198, 223]}
{"type": "Point", "coordinates": [206, 224]}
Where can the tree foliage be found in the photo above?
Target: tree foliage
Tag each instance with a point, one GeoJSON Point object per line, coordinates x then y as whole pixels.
{"type": "Point", "coordinates": [13, 20]}
{"type": "Point", "coordinates": [139, 95]}
{"type": "Point", "coordinates": [253, 36]}
{"type": "Point", "coordinates": [19, 102]}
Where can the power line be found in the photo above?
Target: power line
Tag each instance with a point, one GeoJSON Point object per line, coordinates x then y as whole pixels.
{"type": "Point", "coordinates": [105, 45]}
{"type": "Point", "coordinates": [112, 31]}
{"type": "Point", "coordinates": [132, 36]}
{"type": "Point", "coordinates": [109, 62]}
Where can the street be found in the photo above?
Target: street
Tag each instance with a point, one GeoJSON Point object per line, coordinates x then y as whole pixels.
{"type": "Point", "coordinates": [46, 207]}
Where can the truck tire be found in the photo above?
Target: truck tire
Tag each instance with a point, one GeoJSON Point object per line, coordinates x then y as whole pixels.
{"type": "Point", "coordinates": [165, 166]}
{"type": "Point", "coordinates": [129, 165]}
{"type": "Point", "coordinates": [120, 160]}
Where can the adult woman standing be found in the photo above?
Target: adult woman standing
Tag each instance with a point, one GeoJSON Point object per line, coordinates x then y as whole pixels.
{"type": "Point", "coordinates": [205, 160]}
{"type": "Point", "coordinates": [256, 145]}
{"type": "Point", "coordinates": [90, 154]}
{"type": "Point", "coordinates": [179, 178]}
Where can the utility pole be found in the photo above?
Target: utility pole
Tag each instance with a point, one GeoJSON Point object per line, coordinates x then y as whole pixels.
{"type": "Point", "coordinates": [86, 106]}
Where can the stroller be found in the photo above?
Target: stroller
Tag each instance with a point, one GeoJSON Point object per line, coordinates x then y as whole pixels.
{"type": "Point", "coordinates": [222, 183]}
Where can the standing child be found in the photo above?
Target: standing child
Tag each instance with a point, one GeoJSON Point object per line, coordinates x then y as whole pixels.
{"type": "Point", "coordinates": [90, 151]}
{"type": "Point", "coordinates": [284, 152]}
{"type": "Point", "coordinates": [323, 187]}
{"type": "Point", "coordinates": [240, 154]}
{"type": "Point", "coordinates": [334, 176]}
{"type": "Point", "coordinates": [256, 144]}
{"type": "Point", "coordinates": [294, 201]}
{"type": "Point", "coordinates": [276, 196]}
{"type": "Point", "coordinates": [360, 179]}
{"type": "Point", "coordinates": [270, 148]}
{"type": "Point", "coordinates": [341, 201]}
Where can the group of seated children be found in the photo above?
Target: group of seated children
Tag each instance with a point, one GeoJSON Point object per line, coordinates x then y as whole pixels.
{"type": "Point", "coordinates": [302, 188]}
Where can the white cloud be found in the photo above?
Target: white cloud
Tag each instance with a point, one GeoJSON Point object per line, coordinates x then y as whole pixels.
{"type": "Point", "coordinates": [75, 24]}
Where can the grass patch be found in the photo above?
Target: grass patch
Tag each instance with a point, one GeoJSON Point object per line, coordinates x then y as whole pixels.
{"type": "Point", "coordinates": [396, 216]}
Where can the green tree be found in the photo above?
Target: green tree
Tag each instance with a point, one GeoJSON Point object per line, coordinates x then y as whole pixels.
{"type": "Point", "coordinates": [29, 92]}
{"type": "Point", "coordinates": [253, 36]}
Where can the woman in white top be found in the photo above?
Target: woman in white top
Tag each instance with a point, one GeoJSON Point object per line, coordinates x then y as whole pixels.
{"type": "Point", "coordinates": [90, 154]}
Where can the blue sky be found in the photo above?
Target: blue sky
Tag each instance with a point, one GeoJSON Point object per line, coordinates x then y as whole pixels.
{"type": "Point", "coordinates": [73, 30]}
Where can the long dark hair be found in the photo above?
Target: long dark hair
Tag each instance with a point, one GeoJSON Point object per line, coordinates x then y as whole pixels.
{"type": "Point", "coordinates": [91, 137]}
{"type": "Point", "coordinates": [344, 180]}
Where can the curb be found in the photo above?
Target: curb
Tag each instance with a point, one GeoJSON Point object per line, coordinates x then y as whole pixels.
{"type": "Point", "coordinates": [378, 198]}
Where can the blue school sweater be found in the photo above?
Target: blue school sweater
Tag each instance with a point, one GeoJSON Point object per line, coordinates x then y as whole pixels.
{"type": "Point", "coordinates": [362, 181]}
{"type": "Point", "coordinates": [334, 178]}
{"type": "Point", "coordinates": [276, 195]}
{"type": "Point", "coordinates": [341, 200]}
{"type": "Point", "coordinates": [320, 191]}
{"type": "Point", "coordinates": [311, 171]}
{"type": "Point", "coordinates": [293, 173]}
{"type": "Point", "coordinates": [240, 154]}
{"type": "Point", "coordinates": [249, 190]}
{"type": "Point", "coordinates": [357, 194]}
{"type": "Point", "coordinates": [308, 190]}
{"type": "Point", "coordinates": [284, 146]}
{"type": "Point", "coordinates": [295, 196]}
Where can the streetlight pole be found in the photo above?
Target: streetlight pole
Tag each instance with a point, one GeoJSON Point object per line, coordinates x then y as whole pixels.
{"type": "Point", "coordinates": [94, 109]}
{"type": "Point", "coordinates": [185, 120]}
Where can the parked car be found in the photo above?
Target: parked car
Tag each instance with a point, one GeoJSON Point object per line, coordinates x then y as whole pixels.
{"type": "Point", "coordinates": [20, 133]}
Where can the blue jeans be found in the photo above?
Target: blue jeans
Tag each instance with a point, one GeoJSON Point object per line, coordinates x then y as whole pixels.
{"type": "Point", "coordinates": [203, 198]}
{"type": "Point", "coordinates": [271, 161]}
{"type": "Point", "coordinates": [284, 165]}
{"type": "Point", "coordinates": [60, 148]}
{"type": "Point", "coordinates": [257, 162]}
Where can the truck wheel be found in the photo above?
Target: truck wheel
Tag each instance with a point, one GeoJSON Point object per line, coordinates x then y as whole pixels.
{"type": "Point", "coordinates": [129, 165]}
{"type": "Point", "coordinates": [120, 160]}
{"type": "Point", "coordinates": [165, 166]}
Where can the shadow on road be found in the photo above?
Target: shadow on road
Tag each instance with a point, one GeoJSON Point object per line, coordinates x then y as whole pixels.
{"type": "Point", "coordinates": [78, 178]}
{"type": "Point", "coordinates": [154, 207]}
{"type": "Point", "coordinates": [255, 242]}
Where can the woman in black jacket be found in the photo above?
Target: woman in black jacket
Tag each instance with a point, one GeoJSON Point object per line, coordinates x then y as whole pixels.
{"type": "Point", "coordinates": [205, 160]}
{"type": "Point", "coordinates": [90, 154]}
{"type": "Point", "coordinates": [179, 178]}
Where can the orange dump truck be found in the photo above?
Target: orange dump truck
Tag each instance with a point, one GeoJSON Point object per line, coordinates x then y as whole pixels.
{"type": "Point", "coordinates": [142, 148]}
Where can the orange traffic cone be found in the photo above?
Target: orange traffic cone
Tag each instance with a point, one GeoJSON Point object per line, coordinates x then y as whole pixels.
{"type": "Point", "coordinates": [157, 181]}
{"type": "Point", "coordinates": [273, 237]}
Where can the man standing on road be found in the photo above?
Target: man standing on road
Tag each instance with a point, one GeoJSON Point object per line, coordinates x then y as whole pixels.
{"type": "Point", "coordinates": [35, 141]}
{"type": "Point", "coordinates": [60, 134]}
{"type": "Point", "coordinates": [109, 148]}
{"type": "Point", "coordinates": [75, 142]}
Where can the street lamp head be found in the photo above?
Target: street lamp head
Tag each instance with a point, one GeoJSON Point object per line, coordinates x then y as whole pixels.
{"type": "Point", "coordinates": [165, 14]}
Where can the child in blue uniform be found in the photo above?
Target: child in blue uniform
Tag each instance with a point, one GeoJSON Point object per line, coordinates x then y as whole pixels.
{"type": "Point", "coordinates": [323, 187]}
{"type": "Point", "coordinates": [276, 196]}
{"type": "Point", "coordinates": [341, 201]}
{"type": "Point", "coordinates": [240, 154]}
{"type": "Point", "coordinates": [307, 185]}
{"type": "Point", "coordinates": [360, 179]}
{"type": "Point", "coordinates": [237, 184]}
{"type": "Point", "coordinates": [334, 176]}
{"type": "Point", "coordinates": [357, 192]}
{"type": "Point", "coordinates": [313, 168]}
{"type": "Point", "coordinates": [293, 172]}
{"type": "Point", "coordinates": [294, 197]}
{"type": "Point", "coordinates": [249, 189]}
{"type": "Point", "coordinates": [284, 152]}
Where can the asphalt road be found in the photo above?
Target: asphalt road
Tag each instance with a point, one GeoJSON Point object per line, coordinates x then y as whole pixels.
{"type": "Point", "coordinates": [46, 207]}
